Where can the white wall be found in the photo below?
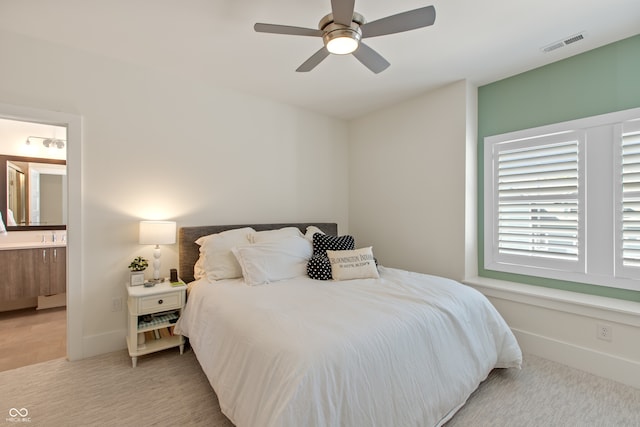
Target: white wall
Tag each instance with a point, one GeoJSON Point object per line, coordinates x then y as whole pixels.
{"type": "Point", "coordinates": [563, 326]}
{"type": "Point", "coordinates": [159, 146]}
{"type": "Point", "coordinates": [407, 180]}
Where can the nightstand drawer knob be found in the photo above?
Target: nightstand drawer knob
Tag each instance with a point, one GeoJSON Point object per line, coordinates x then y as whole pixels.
{"type": "Point", "coordinates": [160, 301]}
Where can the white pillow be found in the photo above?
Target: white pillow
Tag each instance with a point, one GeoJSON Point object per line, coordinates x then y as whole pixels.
{"type": "Point", "coordinates": [355, 264]}
{"type": "Point", "coordinates": [217, 259]}
{"type": "Point", "coordinates": [271, 235]}
{"type": "Point", "coordinates": [198, 269]}
{"type": "Point", "coordinates": [311, 230]}
{"type": "Point", "coordinates": [274, 260]}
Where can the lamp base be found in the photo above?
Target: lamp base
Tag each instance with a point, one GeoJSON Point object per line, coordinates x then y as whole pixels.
{"type": "Point", "coordinates": [156, 265]}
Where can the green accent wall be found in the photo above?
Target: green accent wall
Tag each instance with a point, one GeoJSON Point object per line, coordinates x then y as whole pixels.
{"type": "Point", "coordinates": [599, 81]}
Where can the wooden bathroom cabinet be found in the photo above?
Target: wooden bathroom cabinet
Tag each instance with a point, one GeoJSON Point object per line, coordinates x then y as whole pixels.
{"type": "Point", "coordinates": [29, 273]}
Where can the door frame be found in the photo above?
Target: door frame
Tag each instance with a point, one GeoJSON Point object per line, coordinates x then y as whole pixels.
{"type": "Point", "coordinates": [73, 123]}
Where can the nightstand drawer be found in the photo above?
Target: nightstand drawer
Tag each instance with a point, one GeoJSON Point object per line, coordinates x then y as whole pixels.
{"type": "Point", "coordinates": [155, 303]}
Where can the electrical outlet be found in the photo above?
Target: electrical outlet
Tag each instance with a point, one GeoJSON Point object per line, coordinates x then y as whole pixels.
{"type": "Point", "coordinates": [116, 304]}
{"type": "Point", "coordinates": [604, 332]}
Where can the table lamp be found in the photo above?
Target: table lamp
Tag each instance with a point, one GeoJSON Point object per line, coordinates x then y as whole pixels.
{"type": "Point", "coordinates": [157, 233]}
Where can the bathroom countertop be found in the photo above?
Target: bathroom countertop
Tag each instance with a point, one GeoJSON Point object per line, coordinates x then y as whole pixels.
{"type": "Point", "coordinates": [30, 245]}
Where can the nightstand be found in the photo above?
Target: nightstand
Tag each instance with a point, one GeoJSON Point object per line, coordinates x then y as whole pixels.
{"type": "Point", "coordinates": [152, 314]}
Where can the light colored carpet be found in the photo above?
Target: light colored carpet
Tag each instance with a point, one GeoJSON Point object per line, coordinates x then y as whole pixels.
{"type": "Point", "coordinates": [545, 393]}
{"type": "Point", "coordinates": [167, 389]}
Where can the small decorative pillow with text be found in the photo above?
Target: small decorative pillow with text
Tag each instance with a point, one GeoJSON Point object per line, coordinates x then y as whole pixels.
{"type": "Point", "coordinates": [274, 260]}
{"type": "Point", "coordinates": [216, 259]}
{"type": "Point", "coordinates": [353, 264]}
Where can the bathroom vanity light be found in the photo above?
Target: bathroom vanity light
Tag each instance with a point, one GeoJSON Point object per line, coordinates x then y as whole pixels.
{"type": "Point", "coordinates": [48, 142]}
{"type": "Point", "coordinates": [157, 233]}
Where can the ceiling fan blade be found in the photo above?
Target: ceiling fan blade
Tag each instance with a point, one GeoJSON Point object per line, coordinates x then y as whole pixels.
{"type": "Point", "coordinates": [286, 29]}
{"type": "Point", "coordinates": [405, 21]}
{"type": "Point", "coordinates": [370, 58]}
{"type": "Point", "coordinates": [342, 11]}
{"type": "Point", "coordinates": [313, 61]}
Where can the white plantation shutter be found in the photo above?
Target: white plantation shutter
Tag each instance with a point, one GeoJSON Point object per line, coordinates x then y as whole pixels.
{"type": "Point", "coordinates": [630, 215]}
{"type": "Point", "coordinates": [533, 210]}
{"type": "Point", "coordinates": [562, 201]}
{"type": "Point", "coordinates": [538, 200]}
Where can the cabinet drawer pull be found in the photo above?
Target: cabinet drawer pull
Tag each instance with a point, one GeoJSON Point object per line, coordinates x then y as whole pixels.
{"type": "Point", "coordinates": [44, 255]}
{"type": "Point", "coordinates": [55, 255]}
{"type": "Point", "coordinates": [160, 301]}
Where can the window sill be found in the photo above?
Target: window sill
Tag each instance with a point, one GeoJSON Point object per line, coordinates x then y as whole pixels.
{"type": "Point", "coordinates": [615, 310]}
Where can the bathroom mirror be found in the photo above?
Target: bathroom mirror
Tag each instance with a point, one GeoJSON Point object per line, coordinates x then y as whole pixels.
{"type": "Point", "coordinates": [33, 193]}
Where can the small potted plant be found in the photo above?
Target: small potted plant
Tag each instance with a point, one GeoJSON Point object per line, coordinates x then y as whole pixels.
{"type": "Point", "coordinates": [137, 267]}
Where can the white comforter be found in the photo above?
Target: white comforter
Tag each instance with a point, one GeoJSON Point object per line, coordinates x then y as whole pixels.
{"type": "Point", "coordinates": [404, 350]}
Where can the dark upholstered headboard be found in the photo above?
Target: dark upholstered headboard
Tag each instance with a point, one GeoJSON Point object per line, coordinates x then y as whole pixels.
{"type": "Point", "coordinates": [189, 251]}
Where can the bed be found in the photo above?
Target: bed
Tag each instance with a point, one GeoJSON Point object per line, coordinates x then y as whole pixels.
{"type": "Point", "coordinates": [403, 349]}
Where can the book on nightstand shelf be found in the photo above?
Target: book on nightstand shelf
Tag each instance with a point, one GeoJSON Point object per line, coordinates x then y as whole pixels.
{"type": "Point", "coordinates": [157, 334]}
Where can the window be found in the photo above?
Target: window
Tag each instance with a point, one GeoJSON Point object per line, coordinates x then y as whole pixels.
{"type": "Point", "coordinates": [563, 201]}
{"type": "Point", "coordinates": [628, 197]}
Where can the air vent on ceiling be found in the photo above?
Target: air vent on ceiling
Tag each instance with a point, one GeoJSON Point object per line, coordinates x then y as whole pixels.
{"type": "Point", "coordinates": [562, 43]}
{"type": "Point", "coordinates": [574, 39]}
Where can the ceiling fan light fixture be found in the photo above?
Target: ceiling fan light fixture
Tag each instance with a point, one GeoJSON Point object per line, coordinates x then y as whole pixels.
{"type": "Point", "coordinates": [342, 45]}
{"type": "Point", "coordinates": [342, 41]}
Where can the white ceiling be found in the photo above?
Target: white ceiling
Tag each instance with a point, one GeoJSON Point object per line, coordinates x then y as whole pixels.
{"type": "Point", "coordinates": [482, 41]}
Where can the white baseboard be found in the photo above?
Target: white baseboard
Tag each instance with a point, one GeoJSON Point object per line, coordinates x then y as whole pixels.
{"type": "Point", "coordinates": [588, 360]}
{"type": "Point", "coordinates": [107, 342]}
{"type": "Point", "coordinates": [562, 326]}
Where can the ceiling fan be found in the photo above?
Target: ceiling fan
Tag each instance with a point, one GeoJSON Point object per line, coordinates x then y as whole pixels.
{"type": "Point", "coordinates": [343, 29]}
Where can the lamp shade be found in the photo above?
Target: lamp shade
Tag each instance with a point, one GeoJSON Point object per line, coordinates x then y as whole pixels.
{"type": "Point", "coordinates": [157, 232]}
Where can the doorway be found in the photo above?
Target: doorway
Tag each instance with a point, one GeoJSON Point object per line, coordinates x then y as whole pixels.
{"type": "Point", "coordinates": [72, 315]}
{"type": "Point", "coordinates": [33, 199]}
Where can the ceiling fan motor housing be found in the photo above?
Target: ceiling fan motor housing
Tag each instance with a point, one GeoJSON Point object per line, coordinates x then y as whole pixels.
{"type": "Point", "coordinates": [328, 19]}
